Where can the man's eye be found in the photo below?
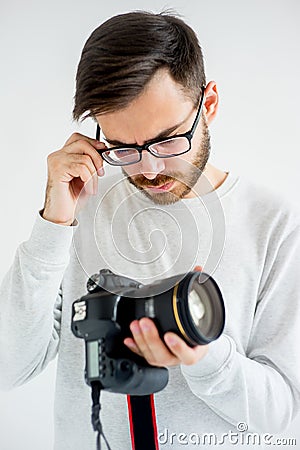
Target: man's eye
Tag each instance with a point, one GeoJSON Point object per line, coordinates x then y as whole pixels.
{"type": "Point", "coordinates": [125, 153]}
{"type": "Point", "coordinates": [121, 152]}
{"type": "Point", "coordinates": [167, 143]}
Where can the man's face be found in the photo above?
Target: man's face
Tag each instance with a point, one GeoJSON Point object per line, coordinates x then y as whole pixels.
{"type": "Point", "coordinates": [161, 107]}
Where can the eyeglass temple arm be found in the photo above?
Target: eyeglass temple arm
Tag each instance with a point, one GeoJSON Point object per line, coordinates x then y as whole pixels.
{"type": "Point", "coordinates": [98, 132]}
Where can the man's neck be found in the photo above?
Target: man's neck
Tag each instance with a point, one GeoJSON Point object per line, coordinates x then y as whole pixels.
{"type": "Point", "coordinates": [210, 180]}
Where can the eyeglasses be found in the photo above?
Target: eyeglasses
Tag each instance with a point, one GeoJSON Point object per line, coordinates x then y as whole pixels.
{"type": "Point", "coordinates": [167, 148]}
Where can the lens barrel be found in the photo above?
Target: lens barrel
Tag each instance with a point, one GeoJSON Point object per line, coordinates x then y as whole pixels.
{"type": "Point", "coordinates": [198, 308]}
{"type": "Point", "coordinates": [190, 305]}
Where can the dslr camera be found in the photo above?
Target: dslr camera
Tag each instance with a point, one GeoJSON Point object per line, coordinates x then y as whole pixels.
{"type": "Point", "coordinates": [190, 305]}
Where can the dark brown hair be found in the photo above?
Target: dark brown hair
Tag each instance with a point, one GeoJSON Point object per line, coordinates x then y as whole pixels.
{"type": "Point", "coordinates": [122, 55]}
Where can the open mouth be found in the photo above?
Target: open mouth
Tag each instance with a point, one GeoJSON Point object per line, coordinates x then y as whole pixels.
{"type": "Point", "coordinates": [162, 188]}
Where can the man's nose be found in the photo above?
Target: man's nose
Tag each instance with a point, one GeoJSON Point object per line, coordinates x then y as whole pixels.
{"type": "Point", "coordinates": [151, 166]}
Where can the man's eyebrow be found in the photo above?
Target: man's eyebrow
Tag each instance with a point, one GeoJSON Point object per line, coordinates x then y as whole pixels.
{"type": "Point", "coordinates": [162, 135]}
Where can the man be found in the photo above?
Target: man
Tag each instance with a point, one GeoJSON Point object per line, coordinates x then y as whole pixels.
{"type": "Point", "coordinates": [141, 78]}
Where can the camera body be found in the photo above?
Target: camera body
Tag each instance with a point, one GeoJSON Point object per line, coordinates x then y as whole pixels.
{"type": "Point", "coordinates": [102, 318]}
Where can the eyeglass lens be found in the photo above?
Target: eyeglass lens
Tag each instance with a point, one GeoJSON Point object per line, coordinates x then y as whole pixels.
{"type": "Point", "coordinates": [167, 148]}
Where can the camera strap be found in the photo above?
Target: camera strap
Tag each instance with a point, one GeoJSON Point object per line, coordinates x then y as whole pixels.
{"type": "Point", "coordinates": [142, 420]}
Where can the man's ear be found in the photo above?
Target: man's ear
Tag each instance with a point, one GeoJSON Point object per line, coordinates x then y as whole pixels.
{"type": "Point", "coordinates": [211, 102]}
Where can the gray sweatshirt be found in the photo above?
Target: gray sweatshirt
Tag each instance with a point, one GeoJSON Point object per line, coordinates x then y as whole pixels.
{"type": "Point", "coordinates": [247, 238]}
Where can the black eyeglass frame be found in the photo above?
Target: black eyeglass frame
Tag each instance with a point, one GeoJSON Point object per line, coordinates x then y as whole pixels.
{"type": "Point", "coordinates": [188, 135]}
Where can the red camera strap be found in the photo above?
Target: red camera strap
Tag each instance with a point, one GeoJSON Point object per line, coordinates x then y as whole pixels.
{"type": "Point", "coordinates": [142, 419]}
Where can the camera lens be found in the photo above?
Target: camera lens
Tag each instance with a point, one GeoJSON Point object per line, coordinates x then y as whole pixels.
{"type": "Point", "coordinates": [199, 309]}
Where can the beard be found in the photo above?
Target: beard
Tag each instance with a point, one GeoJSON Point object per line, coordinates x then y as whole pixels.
{"type": "Point", "coordinates": [183, 181]}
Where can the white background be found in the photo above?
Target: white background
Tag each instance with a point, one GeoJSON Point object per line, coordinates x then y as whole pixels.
{"type": "Point", "coordinates": [251, 50]}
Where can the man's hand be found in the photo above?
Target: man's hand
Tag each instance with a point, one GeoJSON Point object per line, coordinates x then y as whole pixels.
{"type": "Point", "coordinates": [72, 173]}
{"type": "Point", "coordinates": [172, 351]}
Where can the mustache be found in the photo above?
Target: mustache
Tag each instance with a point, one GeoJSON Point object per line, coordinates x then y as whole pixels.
{"type": "Point", "coordinates": [159, 180]}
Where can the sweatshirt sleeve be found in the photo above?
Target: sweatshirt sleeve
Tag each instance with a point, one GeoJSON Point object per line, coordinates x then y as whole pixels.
{"type": "Point", "coordinates": [260, 387]}
{"type": "Point", "coordinates": [30, 303]}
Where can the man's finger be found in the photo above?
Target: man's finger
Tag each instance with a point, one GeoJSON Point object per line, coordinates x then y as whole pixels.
{"type": "Point", "coordinates": [78, 136]}
{"type": "Point", "coordinates": [129, 342]}
{"type": "Point", "coordinates": [149, 343]}
{"type": "Point", "coordinates": [182, 351]}
{"type": "Point", "coordinates": [159, 354]}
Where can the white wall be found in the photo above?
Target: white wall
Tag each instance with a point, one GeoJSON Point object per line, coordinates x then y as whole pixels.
{"type": "Point", "coordinates": [251, 49]}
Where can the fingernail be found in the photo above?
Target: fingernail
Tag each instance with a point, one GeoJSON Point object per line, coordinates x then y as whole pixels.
{"type": "Point", "coordinates": [170, 340]}
{"type": "Point", "coordinates": [135, 328]}
{"type": "Point", "coordinates": [100, 172]}
{"type": "Point", "coordinates": [145, 326]}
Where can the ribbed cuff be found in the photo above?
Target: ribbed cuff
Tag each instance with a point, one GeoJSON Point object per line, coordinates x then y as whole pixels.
{"type": "Point", "coordinates": [219, 355]}
{"type": "Point", "coordinates": [50, 242]}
